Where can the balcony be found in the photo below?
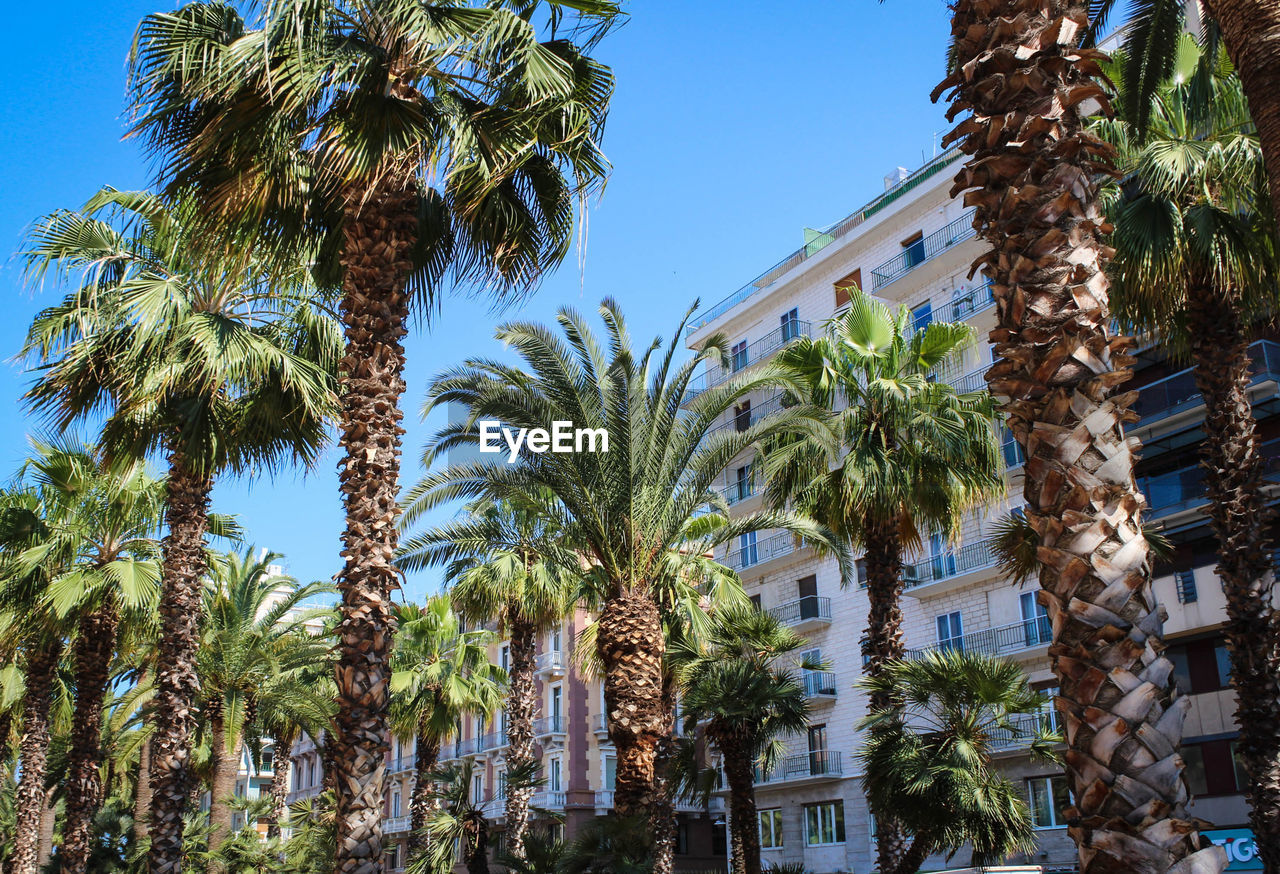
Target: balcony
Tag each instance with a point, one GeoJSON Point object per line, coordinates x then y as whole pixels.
{"type": "Point", "coordinates": [604, 800]}
{"type": "Point", "coordinates": [494, 740]}
{"type": "Point", "coordinates": [392, 825]}
{"type": "Point", "coordinates": [753, 416]}
{"type": "Point", "coordinates": [922, 250]}
{"type": "Point", "coordinates": [951, 567]}
{"type": "Point", "coordinates": [601, 725]}
{"type": "Point", "coordinates": [755, 352]}
{"type": "Point", "coordinates": [548, 725]}
{"type": "Point", "coordinates": [1182, 491]}
{"type": "Point", "coordinates": [820, 687]}
{"type": "Point", "coordinates": [1024, 731]}
{"type": "Point", "coordinates": [403, 764]}
{"type": "Point", "coordinates": [1001, 640]}
{"type": "Point", "coordinates": [965, 303]}
{"type": "Point", "coordinates": [459, 748]}
{"type": "Point", "coordinates": [774, 546]}
{"type": "Point", "coordinates": [738, 492]}
{"type": "Point", "coordinates": [974, 380]}
{"type": "Point", "coordinates": [804, 768]}
{"type": "Point", "coordinates": [551, 663]}
{"type": "Point", "coordinates": [1176, 396]}
{"type": "Point", "coordinates": [805, 613]}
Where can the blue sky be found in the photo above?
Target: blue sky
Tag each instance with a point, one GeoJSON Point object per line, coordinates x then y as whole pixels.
{"type": "Point", "coordinates": [735, 124]}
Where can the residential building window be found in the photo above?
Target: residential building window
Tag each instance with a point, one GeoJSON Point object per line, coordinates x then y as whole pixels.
{"type": "Point", "coordinates": [557, 697]}
{"type": "Point", "coordinates": [500, 780]}
{"type": "Point", "coordinates": [755, 601]}
{"type": "Point", "coordinates": [790, 324]}
{"type": "Point", "coordinates": [506, 657]}
{"type": "Point", "coordinates": [311, 772]}
{"type": "Point", "coordinates": [738, 356]}
{"type": "Point", "coordinates": [557, 640]}
{"type": "Point", "coordinates": [742, 416]}
{"type": "Point", "coordinates": [817, 737]}
{"type": "Point", "coordinates": [1185, 584]}
{"type": "Point", "coordinates": [913, 246]}
{"type": "Point", "coordinates": [950, 631]}
{"type": "Point", "coordinates": [1213, 768]}
{"type": "Point", "coordinates": [861, 566]}
{"type": "Point", "coordinates": [395, 803]}
{"type": "Point", "coordinates": [747, 554]}
{"type": "Point", "coordinates": [682, 839]}
{"type": "Point", "coordinates": [1048, 797]}
{"type": "Point", "coordinates": [922, 316]}
{"type": "Point", "coordinates": [1036, 628]}
{"type": "Point", "coordinates": [553, 779]}
{"type": "Point", "coordinates": [846, 285]}
{"type": "Point", "coordinates": [807, 592]}
{"type": "Point", "coordinates": [824, 823]}
{"type": "Point", "coordinates": [393, 857]}
{"type": "Point", "coordinates": [741, 487]}
{"type": "Point", "coordinates": [477, 789]}
{"type": "Point", "coordinates": [1201, 665]}
{"type": "Point", "coordinates": [610, 773]}
{"type": "Point", "coordinates": [770, 828]}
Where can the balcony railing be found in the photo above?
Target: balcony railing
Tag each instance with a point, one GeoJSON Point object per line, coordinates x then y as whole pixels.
{"type": "Point", "coordinates": [548, 725]}
{"type": "Point", "coordinates": [922, 250]}
{"type": "Point", "coordinates": [819, 684]}
{"type": "Point", "coordinates": [953, 563]}
{"type": "Point", "coordinates": [404, 763]}
{"type": "Point", "coordinates": [494, 740]}
{"type": "Point", "coordinates": [771, 547]}
{"type": "Point", "coordinates": [753, 416]}
{"type": "Point", "coordinates": [753, 354]}
{"type": "Point", "coordinates": [459, 748]}
{"type": "Point", "coordinates": [1025, 729]}
{"type": "Point", "coordinates": [1178, 391]}
{"type": "Point", "coordinates": [806, 609]}
{"type": "Point", "coordinates": [547, 799]}
{"type": "Point", "coordinates": [738, 492]}
{"type": "Point", "coordinates": [965, 303]}
{"type": "Point", "coordinates": [1000, 640]}
{"type": "Point", "coordinates": [392, 825]}
{"type": "Point", "coordinates": [1184, 489]}
{"type": "Point", "coordinates": [552, 660]}
{"type": "Point", "coordinates": [819, 763]}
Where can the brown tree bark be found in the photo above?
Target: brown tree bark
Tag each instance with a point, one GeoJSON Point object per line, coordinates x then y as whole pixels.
{"type": "Point", "coordinates": [631, 647]}
{"type": "Point", "coordinates": [280, 764]}
{"type": "Point", "coordinates": [177, 683]}
{"type": "Point", "coordinates": [48, 822]}
{"type": "Point", "coordinates": [1251, 33]}
{"type": "Point", "coordinates": [426, 757]}
{"type": "Point", "coordinates": [476, 848]}
{"type": "Point", "coordinates": [1031, 178]}
{"type": "Point", "coordinates": [1241, 522]}
{"type": "Point", "coordinates": [744, 826]}
{"type": "Point", "coordinates": [94, 647]}
{"type": "Point", "coordinates": [662, 815]}
{"type": "Point", "coordinates": [912, 858]}
{"type": "Point", "coordinates": [379, 229]}
{"type": "Point", "coordinates": [522, 702]}
{"type": "Point", "coordinates": [142, 794]}
{"type": "Point", "coordinates": [33, 757]}
{"type": "Point", "coordinates": [226, 753]}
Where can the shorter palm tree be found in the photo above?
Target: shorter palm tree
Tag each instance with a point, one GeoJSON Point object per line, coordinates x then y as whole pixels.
{"type": "Point", "coordinates": [928, 755]}
{"type": "Point", "coordinates": [741, 680]}
{"type": "Point", "coordinates": [458, 831]}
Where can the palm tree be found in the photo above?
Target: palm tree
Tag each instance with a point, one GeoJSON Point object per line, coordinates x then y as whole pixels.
{"type": "Point", "coordinates": [393, 144]}
{"type": "Point", "coordinates": [458, 831]}
{"type": "Point", "coordinates": [1031, 179]}
{"type": "Point", "coordinates": [507, 562]}
{"type": "Point", "coordinates": [191, 359]}
{"type": "Point", "coordinates": [102, 526]}
{"type": "Point", "coordinates": [253, 646]}
{"type": "Point", "coordinates": [740, 680]}
{"type": "Point", "coordinates": [440, 675]}
{"type": "Point", "coordinates": [928, 754]}
{"type": "Point", "coordinates": [1196, 262]}
{"type": "Point", "coordinates": [907, 456]}
{"type": "Point", "coordinates": [630, 511]}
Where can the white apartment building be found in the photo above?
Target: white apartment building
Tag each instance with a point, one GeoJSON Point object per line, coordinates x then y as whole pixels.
{"type": "Point", "coordinates": [912, 246]}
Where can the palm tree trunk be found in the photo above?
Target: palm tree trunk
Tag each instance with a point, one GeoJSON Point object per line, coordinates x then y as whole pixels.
{"type": "Point", "coordinates": [477, 849]}
{"type": "Point", "coordinates": [142, 794]}
{"type": "Point", "coordinates": [1032, 181]}
{"type": "Point", "coordinates": [378, 234]}
{"type": "Point", "coordinates": [1242, 523]}
{"type": "Point", "coordinates": [225, 753]}
{"type": "Point", "coordinates": [630, 644]}
{"type": "Point", "coordinates": [1251, 32]}
{"type": "Point", "coordinates": [177, 683]}
{"type": "Point", "coordinates": [662, 816]}
{"type": "Point", "coordinates": [744, 827]}
{"type": "Point", "coordinates": [48, 823]}
{"type": "Point", "coordinates": [913, 857]}
{"type": "Point", "coordinates": [521, 705]}
{"type": "Point", "coordinates": [883, 643]}
{"type": "Point", "coordinates": [285, 737]}
{"type": "Point", "coordinates": [421, 803]}
{"type": "Point", "coordinates": [33, 752]}
{"type": "Point", "coordinates": [95, 645]}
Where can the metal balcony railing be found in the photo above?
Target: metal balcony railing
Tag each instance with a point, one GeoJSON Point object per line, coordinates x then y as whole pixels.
{"type": "Point", "coordinates": [1178, 391]}
{"type": "Point", "coordinates": [459, 748]}
{"type": "Point", "coordinates": [404, 763]}
{"type": "Point", "coordinates": [494, 740]}
{"type": "Point", "coordinates": [753, 354]}
{"type": "Point", "coordinates": [1184, 489]}
{"type": "Point", "coordinates": [1000, 640]}
{"type": "Point", "coordinates": [604, 799]}
{"type": "Point", "coordinates": [953, 563]}
{"type": "Point", "coordinates": [392, 825]}
{"type": "Point", "coordinates": [739, 491]}
{"type": "Point", "coordinates": [753, 416]}
{"type": "Point", "coordinates": [810, 607]}
{"type": "Point", "coordinates": [965, 303]}
{"type": "Point", "coordinates": [819, 763]}
{"type": "Point", "coordinates": [922, 250]}
{"type": "Point", "coordinates": [1024, 730]}
{"type": "Point", "coordinates": [548, 725]}
{"type": "Point", "coordinates": [773, 546]}
{"type": "Point", "coordinates": [819, 684]}
{"type": "Point", "coordinates": [552, 660]}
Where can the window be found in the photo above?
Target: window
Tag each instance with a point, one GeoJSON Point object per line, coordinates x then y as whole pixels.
{"type": "Point", "coordinates": [770, 828]}
{"type": "Point", "coordinates": [506, 657]}
{"type": "Point", "coordinates": [755, 601]}
{"type": "Point", "coordinates": [950, 631]}
{"type": "Point", "coordinates": [1048, 797]}
{"type": "Point", "coordinates": [1213, 768]}
{"type": "Point", "coordinates": [747, 554]}
{"type": "Point", "coordinates": [738, 356]}
{"type": "Point", "coordinates": [741, 489]}
{"type": "Point", "coordinates": [393, 857]}
{"type": "Point", "coordinates": [845, 286]}
{"type": "Point", "coordinates": [557, 640]}
{"type": "Point", "coordinates": [1201, 666]}
{"type": "Point", "coordinates": [557, 697]}
{"type": "Point", "coordinates": [944, 559]}
{"type": "Point", "coordinates": [1185, 584]}
{"type": "Point", "coordinates": [824, 823]}
{"type": "Point", "coordinates": [819, 759]}
{"type": "Point", "coordinates": [807, 592]}
{"type": "Point", "coordinates": [861, 566]}
{"type": "Point", "coordinates": [742, 416]}
{"type": "Point", "coordinates": [477, 788]}
{"type": "Point", "coordinates": [913, 246]}
{"type": "Point", "coordinates": [395, 803]}
{"type": "Point", "coordinates": [790, 325]}
{"type": "Point", "coordinates": [922, 316]}
{"type": "Point", "coordinates": [1036, 628]}
{"type": "Point", "coordinates": [500, 780]}
{"type": "Point", "coordinates": [553, 778]}
{"type": "Point", "coordinates": [311, 772]}
{"type": "Point", "coordinates": [610, 773]}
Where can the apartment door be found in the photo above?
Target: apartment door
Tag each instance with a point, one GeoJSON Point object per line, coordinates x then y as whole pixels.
{"type": "Point", "coordinates": [1035, 620]}
{"type": "Point", "coordinates": [738, 356]}
{"type": "Point", "coordinates": [944, 560]}
{"type": "Point", "coordinates": [790, 327]}
{"type": "Point", "coordinates": [807, 590]}
{"type": "Point", "coordinates": [742, 483]}
{"type": "Point", "coordinates": [816, 682]}
{"type": "Point", "coordinates": [557, 698]}
{"type": "Point", "coordinates": [950, 631]}
{"type": "Point", "coordinates": [747, 554]}
{"type": "Point", "coordinates": [817, 750]}
{"type": "Point", "coordinates": [913, 246]}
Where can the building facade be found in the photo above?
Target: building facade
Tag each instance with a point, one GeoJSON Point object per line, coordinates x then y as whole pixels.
{"type": "Point", "coordinates": [913, 246]}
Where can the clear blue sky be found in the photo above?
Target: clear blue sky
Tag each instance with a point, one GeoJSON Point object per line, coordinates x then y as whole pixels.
{"type": "Point", "coordinates": [735, 124]}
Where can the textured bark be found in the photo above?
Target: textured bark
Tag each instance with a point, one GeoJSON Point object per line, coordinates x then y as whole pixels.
{"type": "Point", "coordinates": [142, 794]}
{"type": "Point", "coordinates": [662, 815]}
{"type": "Point", "coordinates": [379, 229]}
{"type": "Point", "coordinates": [1031, 178]}
{"type": "Point", "coordinates": [631, 647]}
{"type": "Point", "coordinates": [95, 645]}
{"type": "Point", "coordinates": [883, 643]}
{"type": "Point", "coordinates": [280, 762]}
{"type": "Point", "coordinates": [421, 804]}
{"type": "Point", "coordinates": [33, 752]}
{"type": "Point", "coordinates": [1251, 33]}
{"type": "Point", "coordinates": [522, 701]}
{"type": "Point", "coordinates": [475, 849]}
{"type": "Point", "coordinates": [744, 828]}
{"type": "Point", "coordinates": [226, 754]}
{"type": "Point", "coordinates": [177, 684]}
{"type": "Point", "coordinates": [48, 821]}
{"type": "Point", "coordinates": [911, 860]}
{"type": "Point", "coordinates": [1241, 521]}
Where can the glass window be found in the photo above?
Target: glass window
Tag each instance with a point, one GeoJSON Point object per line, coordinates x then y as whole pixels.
{"type": "Point", "coordinates": [770, 828]}
{"type": "Point", "coordinates": [682, 839]}
{"type": "Point", "coordinates": [1048, 797]}
{"type": "Point", "coordinates": [790, 327]}
{"type": "Point", "coordinates": [747, 553]}
{"type": "Point", "coordinates": [610, 772]}
{"type": "Point", "coordinates": [950, 631]}
{"type": "Point", "coordinates": [1181, 668]}
{"type": "Point", "coordinates": [922, 316]}
{"type": "Point", "coordinates": [1197, 780]}
{"type": "Point", "coordinates": [824, 823]}
{"type": "Point", "coordinates": [738, 356]}
{"type": "Point", "coordinates": [1035, 620]}
{"type": "Point", "coordinates": [1223, 658]}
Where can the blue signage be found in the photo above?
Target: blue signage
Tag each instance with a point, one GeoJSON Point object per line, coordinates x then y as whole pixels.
{"type": "Point", "coordinates": [1242, 852]}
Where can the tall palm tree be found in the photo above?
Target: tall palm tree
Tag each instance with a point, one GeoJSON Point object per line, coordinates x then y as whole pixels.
{"type": "Point", "coordinates": [197, 361]}
{"type": "Point", "coordinates": [906, 458]}
{"type": "Point", "coordinates": [507, 562]}
{"type": "Point", "coordinates": [741, 681]}
{"type": "Point", "coordinates": [929, 754]}
{"type": "Point", "coordinates": [253, 648]}
{"type": "Point", "coordinates": [629, 509]}
{"type": "Point", "coordinates": [103, 525]}
{"type": "Point", "coordinates": [393, 144]}
{"type": "Point", "coordinates": [440, 675]}
{"type": "Point", "coordinates": [1031, 178]}
{"type": "Point", "coordinates": [1196, 262]}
